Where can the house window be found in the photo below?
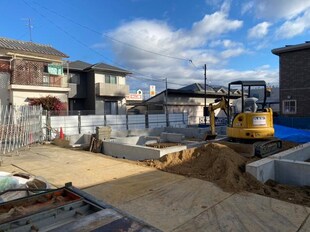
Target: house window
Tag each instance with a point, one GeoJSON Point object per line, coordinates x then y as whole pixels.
{"type": "Point", "coordinates": [110, 79]}
{"type": "Point", "coordinates": [110, 107]}
{"type": "Point", "coordinates": [289, 107]}
{"type": "Point", "coordinates": [46, 80]}
{"type": "Point", "coordinates": [75, 78]}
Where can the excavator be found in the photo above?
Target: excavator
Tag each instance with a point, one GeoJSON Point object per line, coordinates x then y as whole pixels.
{"type": "Point", "coordinates": [246, 122]}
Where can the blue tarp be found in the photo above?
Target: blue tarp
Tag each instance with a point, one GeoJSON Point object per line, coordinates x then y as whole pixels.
{"type": "Point", "coordinates": [292, 134]}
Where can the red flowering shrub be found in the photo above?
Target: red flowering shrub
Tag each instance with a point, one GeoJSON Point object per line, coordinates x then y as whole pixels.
{"type": "Point", "coordinates": [50, 103]}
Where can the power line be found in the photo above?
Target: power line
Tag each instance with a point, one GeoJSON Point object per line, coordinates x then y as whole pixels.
{"type": "Point", "coordinates": [93, 50]}
{"type": "Point", "coordinates": [83, 44]}
{"type": "Point", "coordinates": [109, 37]}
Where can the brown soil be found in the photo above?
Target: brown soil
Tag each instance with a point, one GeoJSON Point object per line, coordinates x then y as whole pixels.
{"type": "Point", "coordinates": [223, 166]}
{"type": "Point", "coordinates": [162, 145]}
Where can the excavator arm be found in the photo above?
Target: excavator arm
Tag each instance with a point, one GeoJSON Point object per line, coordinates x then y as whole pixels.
{"type": "Point", "coordinates": [222, 104]}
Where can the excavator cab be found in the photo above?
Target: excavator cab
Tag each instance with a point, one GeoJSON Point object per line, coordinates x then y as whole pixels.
{"type": "Point", "coordinates": [245, 119]}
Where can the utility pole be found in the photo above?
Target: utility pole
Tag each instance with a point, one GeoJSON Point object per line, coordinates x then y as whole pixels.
{"type": "Point", "coordinates": [205, 106]}
{"type": "Point", "coordinates": [166, 103]}
{"type": "Point", "coordinates": [29, 25]}
{"type": "Point", "coordinates": [30, 29]}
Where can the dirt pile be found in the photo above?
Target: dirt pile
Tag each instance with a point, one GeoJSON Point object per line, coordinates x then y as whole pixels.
{"type": "Point", "coordinates": [221, 165]}
{"type": "Point", "coordinates": [213, 162]}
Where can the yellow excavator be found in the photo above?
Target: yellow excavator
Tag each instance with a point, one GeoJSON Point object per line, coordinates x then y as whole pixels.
{"type": "Point", "coordinates": [246, 122]}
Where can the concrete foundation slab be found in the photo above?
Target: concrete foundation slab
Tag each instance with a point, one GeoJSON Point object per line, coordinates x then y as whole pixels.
{"type": "Point", "coordinates": [248, 212]}
{"type": "Point", "coordinates": [166, 200]}
{"type": "Point", "coordinates": [137, 152]}
{"type": "Point", "coordinates": [123, 190]}
{"type": "Point", "coordinates": [175, 204]}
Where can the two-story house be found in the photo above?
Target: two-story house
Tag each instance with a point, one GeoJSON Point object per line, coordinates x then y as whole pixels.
{"type": "Point", "coordinates": [294, 84]}
{"type": "Point", "coordinates": [97, 89]}
{"type": "Point", "coordinates": [30, 70]}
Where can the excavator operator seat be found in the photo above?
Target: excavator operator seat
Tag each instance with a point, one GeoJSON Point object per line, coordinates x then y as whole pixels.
{"type": "Point", "coordinates": [249, 105]}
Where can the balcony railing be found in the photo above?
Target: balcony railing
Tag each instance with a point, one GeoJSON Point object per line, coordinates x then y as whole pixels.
{"type": "Point", "coordinates": [113, 90]}
{"type": "Point", "coordinates": [44, 80]}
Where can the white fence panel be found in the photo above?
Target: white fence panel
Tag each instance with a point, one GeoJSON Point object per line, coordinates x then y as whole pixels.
{"type": "Point", "coordinates": [69, 124]}
{"type": "Point", "coordinates": [157, 120]}
{"type": "Point", "coordinates": [177, 120]}
{"type": "Point", "coordinates": [136, 122]}
{"type": "Point", "coordinates": [90, 122]}
{"type": "Point", "coordinates": [116, 122]}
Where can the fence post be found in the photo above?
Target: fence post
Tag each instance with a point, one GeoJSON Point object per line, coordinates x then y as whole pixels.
{"type": "Point", "coordinates": [167, 119]}
{"type": "Point", "coordinates": [48, 125]}
{"type": "Point", "coordinates": [146, 119]}
{"type": "Point", "coordinates": [105, 119]}
{"type": "Point", "coordinates": [79, 122]}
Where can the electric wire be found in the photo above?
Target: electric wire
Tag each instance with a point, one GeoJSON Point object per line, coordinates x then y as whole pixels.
{"type": "Point", "coordinates": [98, 53]}
{"type": "Point", "coordinates": [109, 37]}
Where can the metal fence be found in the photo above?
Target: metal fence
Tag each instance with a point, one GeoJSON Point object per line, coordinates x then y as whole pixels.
{"type": "Point", "coordinates": [85, 124]}
{"type": "Point", "coordinates": [19, 127]}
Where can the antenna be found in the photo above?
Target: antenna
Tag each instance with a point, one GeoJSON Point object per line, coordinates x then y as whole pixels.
{"type": "Point", "coordinates": [29, 25]}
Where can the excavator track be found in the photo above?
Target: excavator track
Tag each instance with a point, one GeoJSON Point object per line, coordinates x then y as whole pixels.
{"type": "Point", "coordinates": [250, 148]}
{"type": "Point", "coordinates": [266, 148]}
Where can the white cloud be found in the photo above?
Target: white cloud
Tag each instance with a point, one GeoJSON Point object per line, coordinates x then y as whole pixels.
{"type": "Point", "coordinates": [294, 26]}
{"type": "Point", "coordinates": [229, 53]}
{"type": "Point", "coordinates": [215, 24]}
{"type": "Point", "coordinates": [224, 76]}
{"type": "Point", "coordinates": [259, 31]}
{"type": "Point", "coordinates": [276, 9]}
{"type": "Point", "coordinates": [247, 6]}
{"type": "Point", "coordinates": [204, 43]}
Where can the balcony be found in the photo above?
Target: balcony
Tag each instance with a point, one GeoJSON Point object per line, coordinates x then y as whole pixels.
{"type": "Point", "coordinates": [44, 80]}
{"type": "Point", "coordinates": [111, 90]}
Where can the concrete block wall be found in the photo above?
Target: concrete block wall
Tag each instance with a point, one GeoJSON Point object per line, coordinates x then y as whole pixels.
{"type": "Point", "coordinates": [287, 167]}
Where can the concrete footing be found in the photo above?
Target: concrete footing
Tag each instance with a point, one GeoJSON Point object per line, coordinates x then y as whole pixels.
{"type": "Point", "coordinates": [288, 167]}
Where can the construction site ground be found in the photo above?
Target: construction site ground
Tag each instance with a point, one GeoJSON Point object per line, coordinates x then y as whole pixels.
{"type": "Point", "coordinates": [167, 201]}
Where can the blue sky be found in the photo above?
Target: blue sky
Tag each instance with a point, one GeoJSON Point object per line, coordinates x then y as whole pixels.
{"type": "Point", "coordinates": [155, 39]}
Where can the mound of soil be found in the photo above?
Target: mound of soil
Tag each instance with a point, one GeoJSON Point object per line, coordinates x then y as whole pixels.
{"type": "Point", "coordinates": [221, 165]}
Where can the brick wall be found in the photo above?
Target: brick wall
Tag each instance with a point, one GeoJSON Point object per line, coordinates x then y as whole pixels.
{"type": "Point", "coordinates": [295, 80]}
{"type": "Point", "coordinates": [4, 66]}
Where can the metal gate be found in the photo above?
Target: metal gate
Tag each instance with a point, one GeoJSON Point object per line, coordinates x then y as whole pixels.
{"type": "Point", "coordinates": [19, 127]}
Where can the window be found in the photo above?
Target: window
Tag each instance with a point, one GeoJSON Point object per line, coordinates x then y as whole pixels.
{"type": "Point", "coordinates": [289, 106]}
{"type": "Point", "coordinates": [46, 80]}
{"type": "Point", "coordinates": [75, 78]}
{"type": "Point", "coordinates": [110, 107]}
{"type": "Point", "coordinates": [110, 79]}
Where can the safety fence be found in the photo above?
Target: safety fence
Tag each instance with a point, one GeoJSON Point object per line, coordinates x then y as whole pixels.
{"type": "Point", "coordinates": [86, 124]}
{"type": "Point", "coordinates": [19, 127]}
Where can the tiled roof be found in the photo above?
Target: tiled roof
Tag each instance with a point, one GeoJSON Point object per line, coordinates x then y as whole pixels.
{"type": "Point", "coordinates": [106, 67]}
{"type": "Point", "coordinates": [18, 45]}
{"type": "Point", "coordinates": [197, 87]}
{"type": "Point", "coordinates": [79, 65]}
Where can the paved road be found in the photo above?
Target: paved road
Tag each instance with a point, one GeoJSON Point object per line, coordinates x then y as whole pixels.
{"type": "Point", "coordinates": [169, 202]}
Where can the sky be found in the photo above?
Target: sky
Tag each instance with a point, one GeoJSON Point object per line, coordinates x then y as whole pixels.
{"type": "Point", "coordinates": [159, 39]}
